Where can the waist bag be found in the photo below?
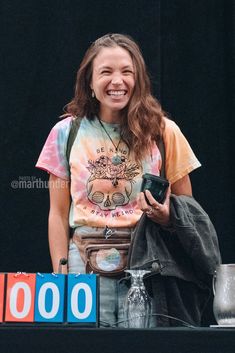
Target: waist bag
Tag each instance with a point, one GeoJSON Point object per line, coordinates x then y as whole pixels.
{"type": "Point", "coordinates": [105, 256]}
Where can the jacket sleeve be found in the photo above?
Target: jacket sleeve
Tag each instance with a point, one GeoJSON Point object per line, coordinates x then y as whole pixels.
{"type": "Point", "coordinates": [196, 233]}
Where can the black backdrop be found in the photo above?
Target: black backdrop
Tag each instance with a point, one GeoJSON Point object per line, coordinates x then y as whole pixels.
{"type": "Point", "coordinates": [188, 47]}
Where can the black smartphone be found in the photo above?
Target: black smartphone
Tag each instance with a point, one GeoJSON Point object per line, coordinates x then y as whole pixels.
{"type": "Point", "coordinates": [156, 185]}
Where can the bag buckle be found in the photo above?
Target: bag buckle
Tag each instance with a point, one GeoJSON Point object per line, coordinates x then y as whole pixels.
{"type": "Point", "coordinates": [108, 232]}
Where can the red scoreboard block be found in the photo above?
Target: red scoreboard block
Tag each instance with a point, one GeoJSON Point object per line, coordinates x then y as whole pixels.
{"type": "Point", "coordinates": [2, 287]}
{"type": "Point", "coordinates": [20, 297]}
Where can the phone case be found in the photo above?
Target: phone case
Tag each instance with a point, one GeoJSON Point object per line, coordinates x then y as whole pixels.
{"type": "Point", "coordinates": [156, 185]}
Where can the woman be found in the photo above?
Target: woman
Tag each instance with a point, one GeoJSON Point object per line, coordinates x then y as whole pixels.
{"type": "Point", "coordinates": [115, 145]}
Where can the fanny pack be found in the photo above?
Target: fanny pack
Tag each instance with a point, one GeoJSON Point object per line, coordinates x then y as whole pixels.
{"type": "Point", "coordinates": [104, 255]}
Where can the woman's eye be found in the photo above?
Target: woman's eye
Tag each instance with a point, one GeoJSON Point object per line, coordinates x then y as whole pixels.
{"type": "Point", "coordinates": [105, 72]}
{"type": "Point", "coordinates": [128, 72]}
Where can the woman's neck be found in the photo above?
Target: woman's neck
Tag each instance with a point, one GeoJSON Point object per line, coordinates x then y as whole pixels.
{"type": "Point", "coordinates": [113, 117]}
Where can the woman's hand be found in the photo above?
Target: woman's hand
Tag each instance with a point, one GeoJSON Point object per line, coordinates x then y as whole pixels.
{"type": "Point", "coordinates": [157, 212]}
{"type": "Point", "coordinates": [160, 213]}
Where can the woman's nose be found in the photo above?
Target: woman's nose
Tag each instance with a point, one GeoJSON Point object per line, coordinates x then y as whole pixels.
{"type": "Point", "coordinates": [117, 80]}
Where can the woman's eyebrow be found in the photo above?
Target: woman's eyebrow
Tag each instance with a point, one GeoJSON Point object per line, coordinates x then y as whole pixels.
{"type": "Point", "coordinates": [128, 67]}
{"type": "Point", "coordinates": [104, 67]}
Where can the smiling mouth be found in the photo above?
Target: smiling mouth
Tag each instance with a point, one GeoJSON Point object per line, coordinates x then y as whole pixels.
{"type": "Point", "coordinates": [118, 93]}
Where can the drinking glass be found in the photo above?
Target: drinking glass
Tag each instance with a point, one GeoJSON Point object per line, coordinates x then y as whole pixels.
{"type": "Point", "coordinates": [137, 305]}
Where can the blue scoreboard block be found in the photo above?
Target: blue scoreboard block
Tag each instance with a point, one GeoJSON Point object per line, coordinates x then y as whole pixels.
{"type": "Point", "coordinates": [50, 296]}
{"type": "Point", "coordinates": [82, 299]}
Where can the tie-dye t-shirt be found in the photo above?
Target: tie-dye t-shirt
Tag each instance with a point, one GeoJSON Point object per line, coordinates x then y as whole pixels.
{"type": "Point", "coordinates": [104, 193]}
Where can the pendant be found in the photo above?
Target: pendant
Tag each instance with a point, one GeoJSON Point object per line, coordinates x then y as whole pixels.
{"type": "Point", "coordinates": [115, 182]}
{"type": "Point", "coordinates": [116, 159]}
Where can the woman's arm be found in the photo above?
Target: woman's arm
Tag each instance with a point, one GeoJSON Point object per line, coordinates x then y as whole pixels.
{"type": "Point", "coordinates": [58, 223]}
{"type": "Point", "coordinates": [182, 186]}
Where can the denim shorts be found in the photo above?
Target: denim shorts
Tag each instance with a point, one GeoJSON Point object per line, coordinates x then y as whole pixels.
{"type": "Point", "coordinates": [113, 290]}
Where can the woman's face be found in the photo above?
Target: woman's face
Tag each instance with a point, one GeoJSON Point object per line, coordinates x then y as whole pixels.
{"type": "Point", "coordinates": [113, 81]}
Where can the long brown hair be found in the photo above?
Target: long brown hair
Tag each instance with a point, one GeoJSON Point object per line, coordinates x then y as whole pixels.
{"type": "Point", "coordinates": [143, 121]}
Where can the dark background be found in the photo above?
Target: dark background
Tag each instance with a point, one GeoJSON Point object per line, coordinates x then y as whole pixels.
{"type": "Point", "coordinates": [188, 47]}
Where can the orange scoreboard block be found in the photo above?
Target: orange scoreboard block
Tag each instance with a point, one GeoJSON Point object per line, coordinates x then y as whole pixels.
{"type": "Point", "coordinates": [20, 297]}
{"type": "Point", "coordinates": [2, 287]}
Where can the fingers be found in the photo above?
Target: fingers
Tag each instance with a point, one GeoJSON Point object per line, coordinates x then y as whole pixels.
{"type": "Point", "coordinates": [142, 203]}
{"type": "Point", "coordinates": [149, 208]}
{"type": "Point", "coordinates": [152, 200]}
{"type": "Point", "coordinates": [149, 212]}
{"type": "Point", "coordinates": [156, 211]}
{"type": "Point", "coordinates": [168, 194]}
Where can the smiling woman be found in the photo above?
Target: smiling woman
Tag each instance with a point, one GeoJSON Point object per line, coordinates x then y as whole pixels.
{"type": "Point", "coordinates": [120, 123]}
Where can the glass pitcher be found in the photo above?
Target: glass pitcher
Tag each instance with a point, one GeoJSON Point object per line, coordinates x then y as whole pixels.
{"type": "Point", "coordinates": [137, 305]}
{"type": "Point", "coordinates": [224, 291]}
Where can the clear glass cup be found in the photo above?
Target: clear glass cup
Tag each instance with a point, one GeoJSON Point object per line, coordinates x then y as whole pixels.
{"type": "Point", "coordinates": [137, 305]}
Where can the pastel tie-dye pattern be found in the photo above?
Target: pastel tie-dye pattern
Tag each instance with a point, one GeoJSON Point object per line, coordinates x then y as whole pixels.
{"type": "Point", "coordinates": [96, 201]}
{"type": "Point", "coordinates": [52, 157]}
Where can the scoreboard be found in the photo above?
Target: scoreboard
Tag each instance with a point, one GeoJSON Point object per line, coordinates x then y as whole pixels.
{"type": "Point", "coordinates": [45, 297]}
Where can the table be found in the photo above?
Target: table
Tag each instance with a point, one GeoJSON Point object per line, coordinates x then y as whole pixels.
{"type": "Point", "coordinates": [68, 338]}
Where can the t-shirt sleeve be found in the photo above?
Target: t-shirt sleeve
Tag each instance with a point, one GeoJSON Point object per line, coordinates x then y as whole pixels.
{"type": "Point", "coordinates": [53, 155]}
{"type": "Point", "coordinates": [180, 159]}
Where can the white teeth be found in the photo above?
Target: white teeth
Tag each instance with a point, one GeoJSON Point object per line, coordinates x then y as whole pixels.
{"type": "Point", "coordinates": [116, 93]}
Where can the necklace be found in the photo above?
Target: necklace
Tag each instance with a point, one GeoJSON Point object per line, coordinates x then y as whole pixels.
{"type": "Point", "coordinates": [116, 159]}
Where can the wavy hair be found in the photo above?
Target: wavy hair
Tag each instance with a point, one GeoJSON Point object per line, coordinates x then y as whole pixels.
{"type": "Point", "coordinates": [142, 121]}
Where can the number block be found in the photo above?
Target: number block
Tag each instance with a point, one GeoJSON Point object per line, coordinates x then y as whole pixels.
{"type": "Point", "coordinates": [2, 288]}
{"type": "Point", "coordinates": [82, 299]}
{"type": "Point", "coordinates": [20, 297]}
{"type": "Point", "coordinates": [50, 297]}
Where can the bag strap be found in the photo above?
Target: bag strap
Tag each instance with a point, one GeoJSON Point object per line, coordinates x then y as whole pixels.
{"type": "Point", "coordinates": [75, 124]}
{"type": "Point", "coordinates": [161, 146]}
